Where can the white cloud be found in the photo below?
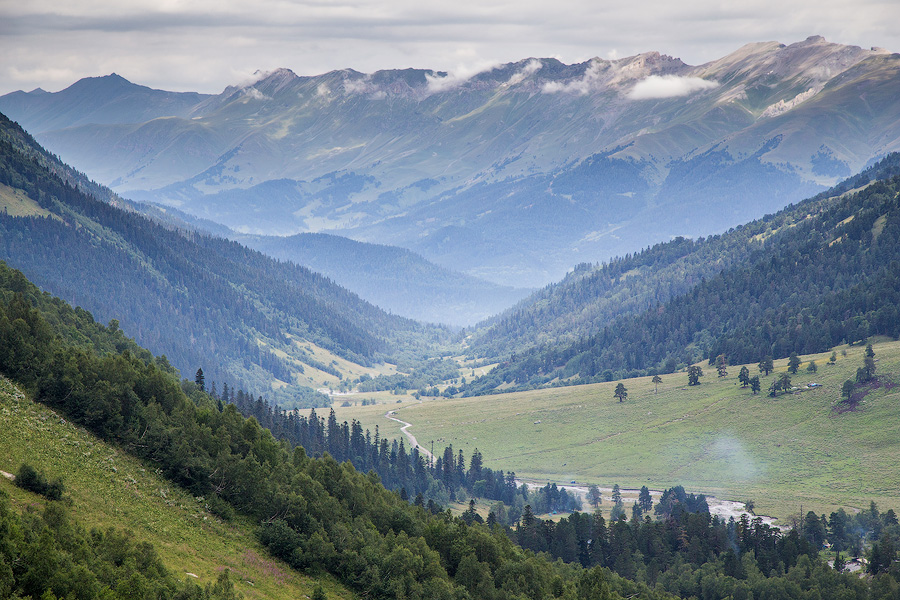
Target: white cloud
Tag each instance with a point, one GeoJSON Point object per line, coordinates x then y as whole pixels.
{"type": "Point", "coordinates": [201, 45]}
{"type": "Point", "coordinates": [591, 80]}
{"type": "Point", "coordinates": [254, 94]}
{"type": "Point", "coordinates": [530, 68]}
{"type": "Point", "coordinates": [358, 86]}
{"type": "Point", "coordinates": [669, 86]}
{"type": "Point", "coordinates": [458, 76]}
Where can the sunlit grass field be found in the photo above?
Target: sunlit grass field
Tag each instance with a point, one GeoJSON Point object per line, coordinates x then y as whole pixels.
{"type": "Point", "coordinates": [715, 438]}
{"type": "Point", "coordinates": [107, 488]}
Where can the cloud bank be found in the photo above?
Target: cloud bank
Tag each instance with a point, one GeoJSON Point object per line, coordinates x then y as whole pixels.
{"type": "Point", "coordinates": [458, 76]}
{"type": "Point", "coordinates": [588, 82]}
{"type": "Point", "coordinates": [206, 45]}
{"type": "Point", "coordinates": [669, 86]}
{"type": "Point", "coordinates": [530, 68]}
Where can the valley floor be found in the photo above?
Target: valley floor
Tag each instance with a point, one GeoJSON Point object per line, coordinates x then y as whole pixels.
{"type": "Point", "coordinates": [799, 450]}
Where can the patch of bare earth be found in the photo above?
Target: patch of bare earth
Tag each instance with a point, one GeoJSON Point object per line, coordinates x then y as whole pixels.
{"type": "Point", "coordinates": [852, 403]}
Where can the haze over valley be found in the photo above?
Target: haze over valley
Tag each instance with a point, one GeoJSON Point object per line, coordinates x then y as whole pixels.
{"type": "Point", "coordinates": [522, 306]}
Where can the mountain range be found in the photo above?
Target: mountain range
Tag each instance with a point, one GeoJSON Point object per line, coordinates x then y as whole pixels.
{"type": "Point", "coordinates": [515, 174]}
{"type": "Point", "coordinates": [203, 301]}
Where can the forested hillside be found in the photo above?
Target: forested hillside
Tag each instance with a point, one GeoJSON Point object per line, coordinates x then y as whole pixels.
{"type": "Point", "coordinates": [316, 514]}
{"type": "Point", "coordinates": [815, 275]}
{"type": "Point", "coordinates": [321, 516]}
{"type": "Point", "coordinates": [593, 295]}
{"type": "Point", "coordinates": [201, 301]}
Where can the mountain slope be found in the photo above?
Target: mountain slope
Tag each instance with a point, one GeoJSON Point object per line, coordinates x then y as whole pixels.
{"type": "Point", "coordinates": [314, 513]}
{"type": "Point", "coordinates": [592, 296]}
{"type": "Point", "coordinates": [819, 274]}
{"type": "Point", "coordinates": [599, 158]}
{"type": "Point", "coordinates": [201, 301]}
{"type": "Point", "coordinates": [183, 534]}
{"type": "Point", "coordinates": [392, 278]}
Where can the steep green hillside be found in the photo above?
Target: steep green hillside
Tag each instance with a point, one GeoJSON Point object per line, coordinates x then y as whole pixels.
{"type": "Point", "coordinates": [105, 487]}
{"type": "Point", "coordinates": [804, 447]}
{"type": "Point", "coordinates": [592, 296]}
{"type": "Point", "coordinates": [816, 275]}
{"type": "Point", "coordinates": [315, 514]}
{"type": "Point", "coordinates": [202, 301]}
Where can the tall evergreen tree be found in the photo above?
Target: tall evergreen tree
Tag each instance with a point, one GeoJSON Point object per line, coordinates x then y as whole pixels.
{"type": "Point", "coordinates": [744, 376]}
{"type": "Point", "coordinates": [793, 363]}
{"type": "Point", "coordinates": [200, 380]}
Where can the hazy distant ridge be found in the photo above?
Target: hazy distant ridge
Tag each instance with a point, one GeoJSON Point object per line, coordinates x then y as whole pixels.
{"type": "Point", "coordinates": [514, 174]}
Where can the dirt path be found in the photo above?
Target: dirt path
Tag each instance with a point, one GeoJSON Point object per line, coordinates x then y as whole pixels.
{"type": "Point", "coordinates": [412, 439]}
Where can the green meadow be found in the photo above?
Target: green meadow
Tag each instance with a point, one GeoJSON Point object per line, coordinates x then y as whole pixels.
{"type": "Point", "coordinates": [107, 488]}
{"type": "Point", "coordinates": [800, 449]}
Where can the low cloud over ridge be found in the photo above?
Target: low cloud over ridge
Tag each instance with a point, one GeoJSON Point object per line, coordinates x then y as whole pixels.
{"type": "Point", "coordinates": [669, 86]}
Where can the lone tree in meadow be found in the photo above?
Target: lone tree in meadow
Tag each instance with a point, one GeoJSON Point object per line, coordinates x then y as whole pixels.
{"type": "Point", "coordinates": [868, 368]}
{"type": "Point", "coordinates": [785, 381]}
{"type": "Point", "coordinates": [793, 363]}
{"type": "Point", "coordinates": [621, 392]}
{"type": "Point", "coordinates": [833, 358]}
{"type": "Point", "coordinates": [744, 376]}
{"type": "Point", "coordinates": [656, 381]}
{"type": "Point", "coordinates": [782, 384]}
{"type": "Point", "coordinates": [694, 375]}
{"type": "Point", "coordinates": [812, 367]}
{"type": "Point", "coordinates": [766, 365]}
{"type": "Point", "coordinates": [645, 500]}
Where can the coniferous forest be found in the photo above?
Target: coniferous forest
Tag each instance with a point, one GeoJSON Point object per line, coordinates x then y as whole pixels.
{"type": "Point", "coordinates": [194, 298]}
{"type": "Point", "coordinates": [321, 515]}
{"type": "Point", "coordinates": [819, 274]}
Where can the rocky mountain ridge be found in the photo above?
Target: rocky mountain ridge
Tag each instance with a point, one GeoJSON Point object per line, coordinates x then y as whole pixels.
{"type": "Point", "coordinates": [514, 174]}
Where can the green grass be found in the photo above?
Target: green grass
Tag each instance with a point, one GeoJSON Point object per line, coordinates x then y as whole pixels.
{"type": "Point", "coordinates": [16, 203]}
{"type": "Point", "coordinates": [107, 488]}
{"type": "Point", "coordinates": [715, 438]}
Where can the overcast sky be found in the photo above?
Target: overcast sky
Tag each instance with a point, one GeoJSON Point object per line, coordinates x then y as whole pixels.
{"type": "Point", "coordinates": [204, 45]}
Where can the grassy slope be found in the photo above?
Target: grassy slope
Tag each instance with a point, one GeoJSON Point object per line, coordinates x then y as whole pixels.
{"type": "Point", "coordinates": [108, 488]}
{"type": "Point", "coordinates": [17, 204]}
{"type": "Point", "coordinates": [716, 438]}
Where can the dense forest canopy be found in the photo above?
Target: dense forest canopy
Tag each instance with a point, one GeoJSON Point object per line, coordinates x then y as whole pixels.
{"type": "Point", "coordinates": [198, 299]}
{"type": "Point", "coordinates": [815, 275]}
